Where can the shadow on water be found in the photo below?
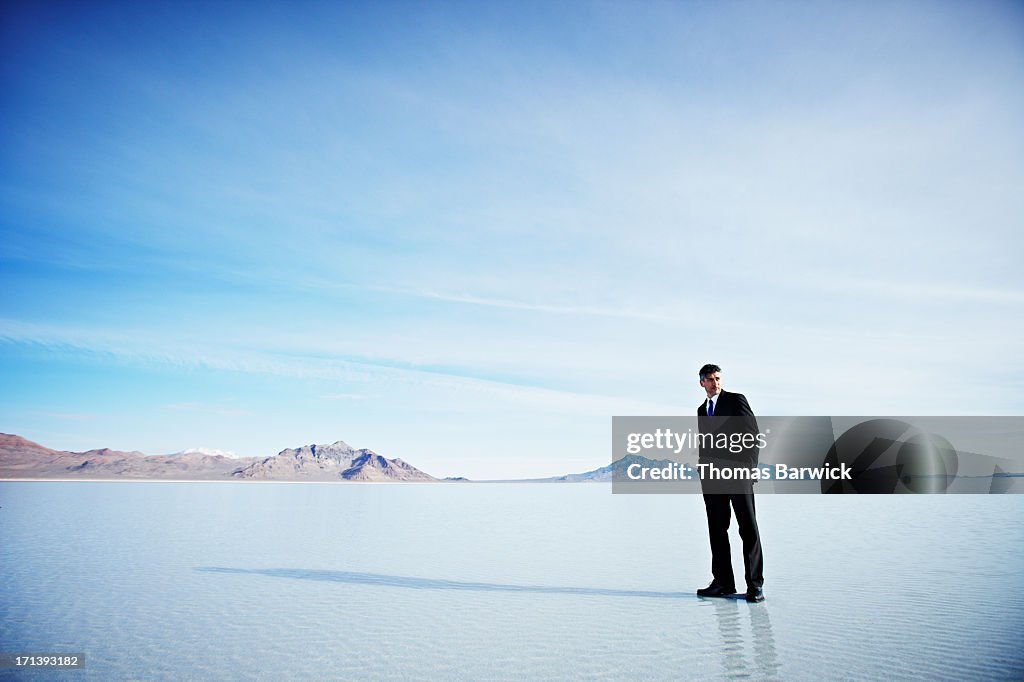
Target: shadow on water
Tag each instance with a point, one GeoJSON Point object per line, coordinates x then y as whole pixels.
{"type": "Point", "coordinates": [377, 579]}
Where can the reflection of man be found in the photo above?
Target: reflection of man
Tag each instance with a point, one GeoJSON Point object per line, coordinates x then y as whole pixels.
{"type": "Point", "coordinates": [729, 413]}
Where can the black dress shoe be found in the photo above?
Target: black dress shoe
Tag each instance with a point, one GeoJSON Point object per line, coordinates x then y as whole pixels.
{"type": "Point", "coordinates": [755, 594]}
{"type": "Point", "coordinates": [715, 590]}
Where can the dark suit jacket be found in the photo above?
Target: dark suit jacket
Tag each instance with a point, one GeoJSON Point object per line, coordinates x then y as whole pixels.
{"type": "Point", "coordinates": [732, 416]}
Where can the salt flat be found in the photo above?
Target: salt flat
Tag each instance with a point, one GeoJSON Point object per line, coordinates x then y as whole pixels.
{"type": "Point", "coordinates": [501, 581]}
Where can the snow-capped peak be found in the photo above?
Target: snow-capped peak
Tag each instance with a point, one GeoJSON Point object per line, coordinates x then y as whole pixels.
{"type": "Point", "coordinates": [210, 452]}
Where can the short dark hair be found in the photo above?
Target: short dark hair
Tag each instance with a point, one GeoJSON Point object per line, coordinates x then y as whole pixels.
{"type": "Point", "coordinates": [708, 369]}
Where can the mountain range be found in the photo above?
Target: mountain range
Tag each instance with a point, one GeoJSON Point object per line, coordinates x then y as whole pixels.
{"type": "Point", "coordinates": [21, 458]}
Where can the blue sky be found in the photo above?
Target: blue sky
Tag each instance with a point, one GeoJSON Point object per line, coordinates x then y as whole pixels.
{"type": "Point", "coordinates": [468, 234]}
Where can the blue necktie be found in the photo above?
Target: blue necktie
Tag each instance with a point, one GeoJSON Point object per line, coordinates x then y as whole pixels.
{"type": "Point", "coordinates": [711, 408]}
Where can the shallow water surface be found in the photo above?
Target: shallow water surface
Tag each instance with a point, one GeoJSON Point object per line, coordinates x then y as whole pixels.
{"type": "Point", "coordinates": [500, 581]}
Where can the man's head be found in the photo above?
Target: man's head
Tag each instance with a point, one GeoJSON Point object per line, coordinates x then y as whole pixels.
{"type": "Point", "coordinates": [711, 379]}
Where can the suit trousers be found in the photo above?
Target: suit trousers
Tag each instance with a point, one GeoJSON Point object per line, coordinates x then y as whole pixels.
{"type": "Point", "coordinates": [719, 515]}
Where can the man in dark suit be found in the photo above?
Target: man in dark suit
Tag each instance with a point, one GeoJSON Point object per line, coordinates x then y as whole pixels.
{"type": "Point", "coordinates": [728, 413]}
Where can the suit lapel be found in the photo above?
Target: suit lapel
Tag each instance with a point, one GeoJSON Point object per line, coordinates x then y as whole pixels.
{"type": "Point", "coordinates": [722, 402]}
{"type": "Point", "coordinates": [722, 405]}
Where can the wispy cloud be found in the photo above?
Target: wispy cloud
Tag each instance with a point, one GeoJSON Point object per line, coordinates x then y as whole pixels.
{"type": "Point", "coordinates": [538, 307]}
{"type": "Point", "coordinates": [142, 348]}
{"type": "Point", "coordinates": [932, 291]}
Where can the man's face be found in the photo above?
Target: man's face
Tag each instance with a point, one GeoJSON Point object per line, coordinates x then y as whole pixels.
{"type": "Point", "coordinates": [712, 384]}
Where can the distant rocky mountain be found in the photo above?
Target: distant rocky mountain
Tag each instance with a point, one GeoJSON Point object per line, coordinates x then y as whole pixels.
{"type": "Point", "coordinates": [332, 462]}
{"type": "Point", "coordinates": [370, 466]}
{"type": "Point", "coordinates": [607, 473]}
{"type": "Point", "coordinates": [22, 458]}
